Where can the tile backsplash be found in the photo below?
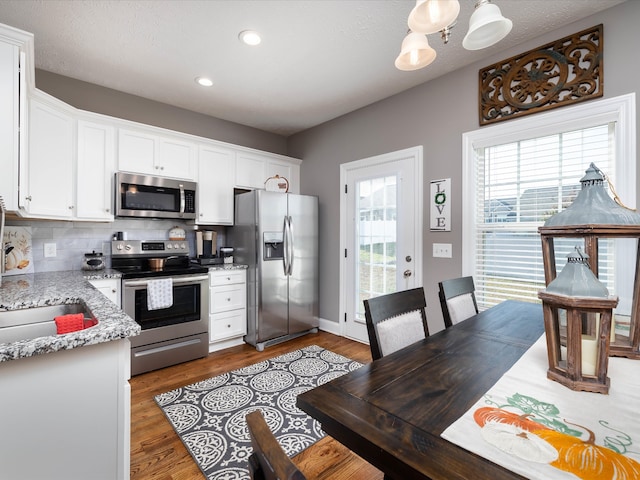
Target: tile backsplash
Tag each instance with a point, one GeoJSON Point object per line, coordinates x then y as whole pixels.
{"type": "Point", "coordinates": [74, 239]}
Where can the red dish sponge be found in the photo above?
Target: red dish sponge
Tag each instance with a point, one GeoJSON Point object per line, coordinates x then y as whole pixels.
{"type": "Point", "coordinates": [69, 323]}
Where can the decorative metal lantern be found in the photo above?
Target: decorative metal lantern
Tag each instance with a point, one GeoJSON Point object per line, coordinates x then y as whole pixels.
{"type": "Point", "coordinates": [577, 311]}
{"type": "Point", "coordinates": [595, 216]}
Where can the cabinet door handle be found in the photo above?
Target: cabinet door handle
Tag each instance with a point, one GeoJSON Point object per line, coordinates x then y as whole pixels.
{"type": "Point", "coordinates": [28, 199]}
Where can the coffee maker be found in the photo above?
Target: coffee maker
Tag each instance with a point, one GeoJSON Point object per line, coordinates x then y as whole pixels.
{"type": "Point", "coordinates": [206, 247]}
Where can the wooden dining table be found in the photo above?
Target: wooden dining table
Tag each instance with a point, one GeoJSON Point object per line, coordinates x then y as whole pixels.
{"type": "Point", "coordinates": [392, 411]}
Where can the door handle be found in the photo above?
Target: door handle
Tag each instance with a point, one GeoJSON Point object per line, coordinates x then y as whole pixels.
{"type": "Point", "coordinates": [407, 273]}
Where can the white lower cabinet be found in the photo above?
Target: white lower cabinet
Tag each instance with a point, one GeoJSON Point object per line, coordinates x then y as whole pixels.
{"type": "Point", "coordinates": [227, 308]}
{"type": "Point", "coordinates": [109, 287]}
{"type": "Point", "coordinates": [67, 414]}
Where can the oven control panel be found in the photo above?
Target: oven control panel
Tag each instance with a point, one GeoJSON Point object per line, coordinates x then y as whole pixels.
{"type": "Point", "coordinates": [149, 247]}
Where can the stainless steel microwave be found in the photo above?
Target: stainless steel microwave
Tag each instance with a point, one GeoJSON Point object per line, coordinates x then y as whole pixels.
{"type": "Point", "coordinates": [147, 196]}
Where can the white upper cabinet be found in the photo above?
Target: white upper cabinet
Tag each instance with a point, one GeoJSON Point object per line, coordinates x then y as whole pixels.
{"type": "Point", "coordinates": [253, 168]}
{"type": "Point", "coordinates": [290, 171]}
{"type": "Point", "coordinates": [95, 167]}
{"type": "Point", "coordinates": [177, 158]}
{"type": "Point", "coordinates": [47, 189]}
{"type": "Point", "coordinates": [16, 49]}
{"type": "Point", "coordinates": [216, 175]}
{"type": "Point", "coordinates": [250, 170]}
{"type": "Point", "coordinates": [67, 171]}
{"type": "Point", "coordinates": [155, 154]}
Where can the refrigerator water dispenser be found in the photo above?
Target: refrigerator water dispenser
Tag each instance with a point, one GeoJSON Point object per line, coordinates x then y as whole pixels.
{"type": "Point", "coordinates": [273, 246]}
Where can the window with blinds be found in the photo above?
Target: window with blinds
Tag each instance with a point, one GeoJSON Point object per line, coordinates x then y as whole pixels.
{"type": "Point", "coordinates": [519, 185]}
{"type": "Point", "coordinates": [516, 174]}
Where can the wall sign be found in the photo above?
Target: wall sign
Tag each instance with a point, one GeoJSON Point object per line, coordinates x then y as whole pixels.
{"type": "Point", "coordinates": [441, 205]}
{"type": "Point", "coordinates": [559, 73]}
{"type": "Point", "coordinates": [18, 257]}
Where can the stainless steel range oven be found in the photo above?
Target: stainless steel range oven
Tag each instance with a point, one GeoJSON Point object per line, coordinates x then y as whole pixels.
{"type": "Point", "coordinates": [174, 332]}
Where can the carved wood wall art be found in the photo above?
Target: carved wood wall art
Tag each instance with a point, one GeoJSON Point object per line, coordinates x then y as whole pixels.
{"type": "Point", "coordinates": [560, 73]}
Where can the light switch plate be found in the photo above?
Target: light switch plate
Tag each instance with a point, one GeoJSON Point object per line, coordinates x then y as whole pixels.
{"type": "Point", "coordinates": [442, 250]}
{"type": "Point", "coordinates": [50, 250]}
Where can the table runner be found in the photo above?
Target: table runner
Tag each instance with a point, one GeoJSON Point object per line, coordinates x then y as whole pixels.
{"type": "Point", "coordinates": [575, 435]}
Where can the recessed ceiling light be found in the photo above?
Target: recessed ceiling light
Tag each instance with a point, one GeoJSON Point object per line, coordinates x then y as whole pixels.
{"type": "Point", "coordinates": [204, 81]}
{"type": "Point", "coordinates": [250, 37]}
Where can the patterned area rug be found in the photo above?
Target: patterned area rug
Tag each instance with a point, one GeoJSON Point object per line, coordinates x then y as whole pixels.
{"type": "Point", "coordinates": [209, 416]}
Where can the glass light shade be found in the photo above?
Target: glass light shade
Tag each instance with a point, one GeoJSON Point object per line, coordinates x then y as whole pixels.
{"type": "Point", "coordinates": [431, 16]}
{"type": "Point", "coordinates": [593, 205]}
{"type": "Point", "coordinates": [415, 52]}
{"type": "Point", "coordinates": [487, 26]}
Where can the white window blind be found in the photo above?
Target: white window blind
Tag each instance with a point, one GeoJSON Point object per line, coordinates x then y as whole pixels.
{"type": "Point", "coordinates": [519, 185]}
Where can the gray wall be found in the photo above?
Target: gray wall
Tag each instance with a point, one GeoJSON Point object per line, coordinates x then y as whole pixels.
{"type": "Point", "coordinates": [74, 239]}
{"type": "Point", "coordinates": [94, 98]}
{"type": "Point", "coordinates": [434, 115]}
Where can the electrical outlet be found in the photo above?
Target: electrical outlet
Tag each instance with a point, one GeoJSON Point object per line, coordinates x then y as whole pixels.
{"type": "Point", "coordinates": [50, 250]}
{"type": "Point", "coordinates": [442, 250]}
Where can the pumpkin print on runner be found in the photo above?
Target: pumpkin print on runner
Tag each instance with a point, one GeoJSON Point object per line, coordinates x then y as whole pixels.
{"type": "Point", "coordinates": [537, 434]}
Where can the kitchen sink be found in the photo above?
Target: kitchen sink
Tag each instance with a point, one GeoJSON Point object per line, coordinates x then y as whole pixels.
{"type": "Point", "coordinates": [29, 323]}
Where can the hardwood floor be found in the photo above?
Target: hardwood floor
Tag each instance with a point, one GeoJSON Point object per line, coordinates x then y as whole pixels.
{"type": "Point", "coordinates": [156, 450]}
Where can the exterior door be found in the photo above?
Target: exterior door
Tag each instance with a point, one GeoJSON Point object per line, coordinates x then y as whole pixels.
{"type": "Point", "coordinates": [381, 231]}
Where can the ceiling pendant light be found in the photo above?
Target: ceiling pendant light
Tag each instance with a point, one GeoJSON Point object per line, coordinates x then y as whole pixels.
{"type": "Point", "coordinates": [431, 16]}
{"type": "Point", "coordinates": [415, 52]}
{"type": "Point", "coordinates": [487, 26]}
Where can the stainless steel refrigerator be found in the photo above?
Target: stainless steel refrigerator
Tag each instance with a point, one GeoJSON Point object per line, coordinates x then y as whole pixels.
{"type": "Point", "coordinates": [276, 235]}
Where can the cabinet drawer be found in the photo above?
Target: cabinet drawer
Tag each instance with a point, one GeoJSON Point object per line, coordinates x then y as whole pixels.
{"type": "Point", "coordinates": [227, 277]}
{"type": "Point", "coordinates": [228, 298]}
{"type": "Point", "coordinates": [227, 325]}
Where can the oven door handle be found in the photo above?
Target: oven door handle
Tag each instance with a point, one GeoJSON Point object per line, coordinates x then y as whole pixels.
{"type": "Point", "coordinates": [176, 281]}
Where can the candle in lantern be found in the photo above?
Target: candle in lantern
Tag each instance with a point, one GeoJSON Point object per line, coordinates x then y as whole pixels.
{"type": "Point", "coordinates": [612, 337]}
{"type": "Point", "coordinates": [589, 354]}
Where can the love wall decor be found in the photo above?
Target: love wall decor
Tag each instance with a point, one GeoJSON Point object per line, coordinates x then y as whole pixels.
{"type": "Point", "coordinates": [560, 73]}
{"type": "Point", "coordinates": [440, 205]}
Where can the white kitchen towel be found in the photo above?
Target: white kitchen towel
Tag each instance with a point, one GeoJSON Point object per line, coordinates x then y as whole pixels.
{"type": "Point", "coordinates": [159, 293]}
{"type": "Point", "coordinates": [575, 435]}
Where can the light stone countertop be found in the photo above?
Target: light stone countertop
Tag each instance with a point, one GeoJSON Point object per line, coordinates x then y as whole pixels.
{"type": "Point", "coordinates": [67, 287]}
{"type": "Point", "coordinates": [227, 266]}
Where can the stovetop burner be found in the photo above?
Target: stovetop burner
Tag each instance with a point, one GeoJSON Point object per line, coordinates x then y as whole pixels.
{"type": "Point", "coordinates": [131, 258]}
{"type": "Point", "coordinates": [128, 273]}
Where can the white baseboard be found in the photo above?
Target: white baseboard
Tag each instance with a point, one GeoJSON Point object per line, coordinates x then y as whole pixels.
{"type": "Point", "coordinates": [331, 327]}
{"type": "Point", "coordinates": [214, 347]}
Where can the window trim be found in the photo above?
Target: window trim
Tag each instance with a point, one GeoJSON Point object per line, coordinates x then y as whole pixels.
{"type": "Point", "coordinates": [619, 109]}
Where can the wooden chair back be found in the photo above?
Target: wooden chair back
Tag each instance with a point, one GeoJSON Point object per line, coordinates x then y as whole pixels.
{"type": "Point", "coordinates": [457, 300]}
{"type": "Point", "coordinates": [395, 320]}
{"type": "Point", "coordinates": [268, 460]}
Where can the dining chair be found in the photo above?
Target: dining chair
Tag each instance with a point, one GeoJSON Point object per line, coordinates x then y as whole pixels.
{"type": "Point", "coordinates": [395, 321]}
{"type": "Point", "coordinates": [457, 299]}
{"type": "Point", "coordinates": [268, 460]}
{"type": "Point", "coordinates": [330, 461]}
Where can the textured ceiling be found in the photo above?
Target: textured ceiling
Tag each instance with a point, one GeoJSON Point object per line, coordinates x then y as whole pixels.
{"type": "Point", "coordinates": [318, 59]}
